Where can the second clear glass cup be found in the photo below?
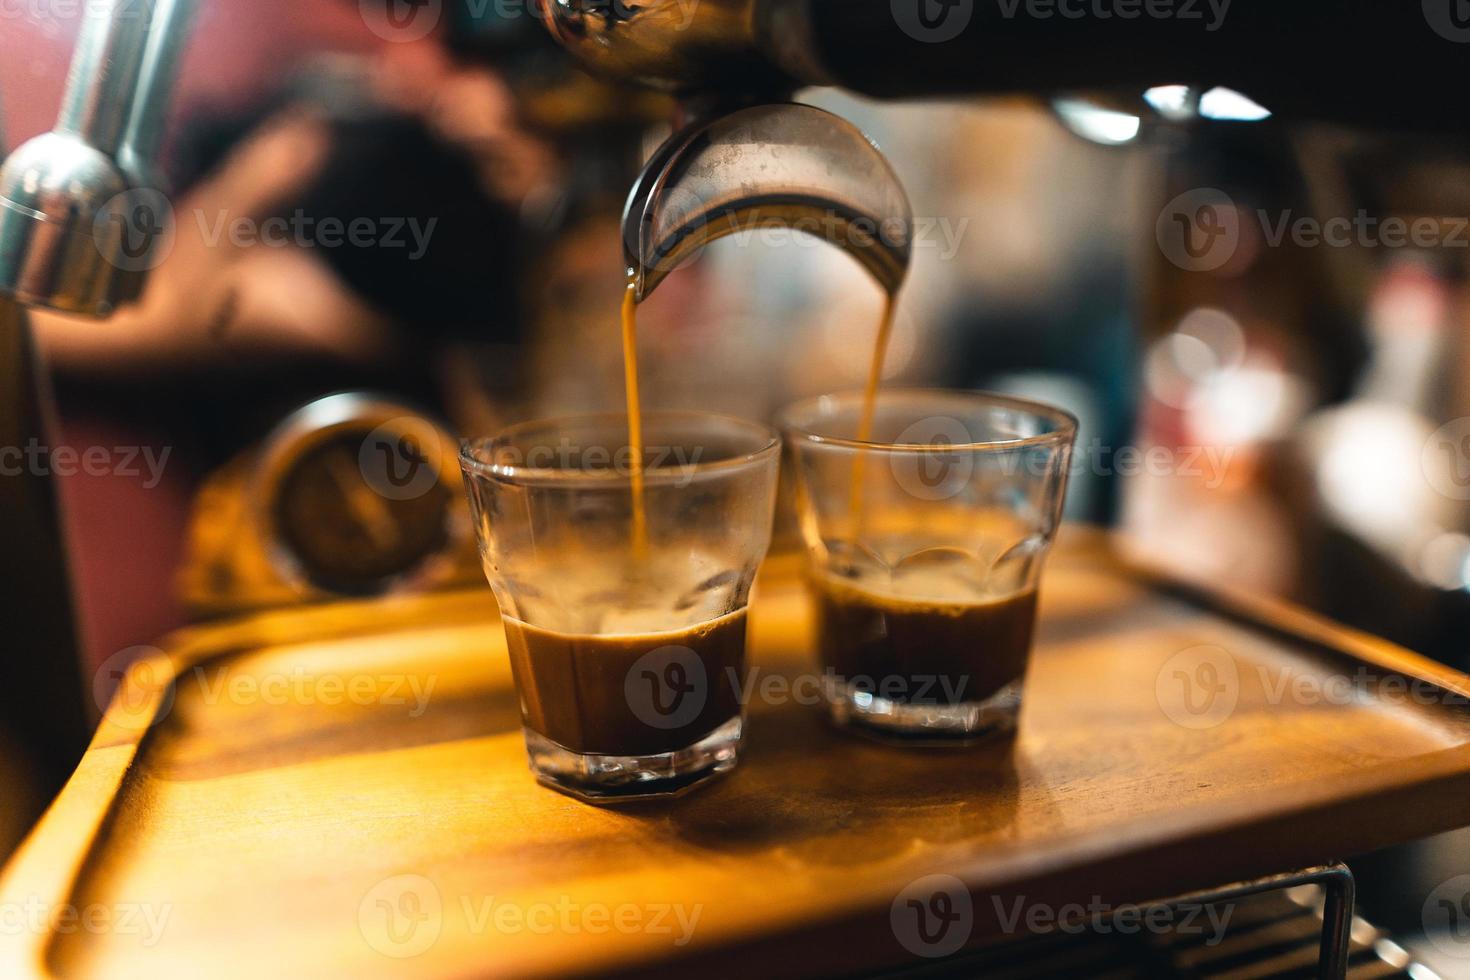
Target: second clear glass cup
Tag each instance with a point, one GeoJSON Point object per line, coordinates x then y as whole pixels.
{"type": "Point", "coordinates": [925, 545]}
{"type": "Point", "coordinates": [626, 632]}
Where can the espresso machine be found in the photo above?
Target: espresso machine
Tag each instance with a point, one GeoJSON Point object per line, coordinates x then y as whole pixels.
{"type": "Point", "coordinates": [1290, 60]}
{"type": "Point", "coordinates": [1169, 72]}
{"type": "Point", "coordinates": [1272, 102]}
{"type": "Point", "coordinates": [80, 208]}
{"type": "Point", "coordinates": [77, 220]}
{"type": "Point", "coordinates": [1249, 108]}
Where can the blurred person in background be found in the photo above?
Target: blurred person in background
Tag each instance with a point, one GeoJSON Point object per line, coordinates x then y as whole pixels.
{"type": "Point", "coordinates": [287, 116]}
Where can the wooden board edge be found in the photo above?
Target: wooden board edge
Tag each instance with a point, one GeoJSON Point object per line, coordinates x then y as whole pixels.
{"type": "Point", "coordinates": [1283, 617]}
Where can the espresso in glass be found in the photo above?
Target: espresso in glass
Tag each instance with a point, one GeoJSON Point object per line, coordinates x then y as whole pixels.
{"type": "Point", "coordinates": [636, 694]}
{"type": "Point", "coordinates": [923, 651]}
{"type": "Point", "coordinates": [927, 517]}
{"type": "Point", "coordinates": [624, 600]}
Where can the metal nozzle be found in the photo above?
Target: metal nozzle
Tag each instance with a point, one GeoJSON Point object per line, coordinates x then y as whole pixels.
{"type": "Point", "coordinates": [79, 223]}
{"type": "Point", "coordinates": [783, 166]}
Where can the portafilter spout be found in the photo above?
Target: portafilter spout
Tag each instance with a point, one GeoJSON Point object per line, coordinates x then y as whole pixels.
{"type": "Point", "coordinates": [768, 166]}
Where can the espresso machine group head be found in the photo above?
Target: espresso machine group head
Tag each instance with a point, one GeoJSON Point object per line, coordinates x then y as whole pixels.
{"type": "Point", "coordinates": [1378, 64]}
{"type": "Point", "coordinates": [1190, 74]}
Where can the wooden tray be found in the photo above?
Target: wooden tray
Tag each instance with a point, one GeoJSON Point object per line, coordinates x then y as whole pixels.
{"type": "Point", "coordinates": [224, 834]}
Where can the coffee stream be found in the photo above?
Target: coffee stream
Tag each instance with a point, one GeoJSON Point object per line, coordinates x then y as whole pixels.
{"type": "Point", "coordinates": [975, 650]}
{"type": "Point", "coordinates": [635, 413]}
{"type": "Point", "coordinates": [870, 407]}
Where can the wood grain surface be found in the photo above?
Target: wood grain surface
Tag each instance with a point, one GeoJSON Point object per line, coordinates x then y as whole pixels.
{"type": "Point", "coordinates": [342, 791]}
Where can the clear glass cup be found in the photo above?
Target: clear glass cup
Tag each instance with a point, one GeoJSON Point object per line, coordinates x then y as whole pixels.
{"type": "Point", "coordinates": [626, 637]}
{"type": "Point", "coordinates": [925, 546]}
